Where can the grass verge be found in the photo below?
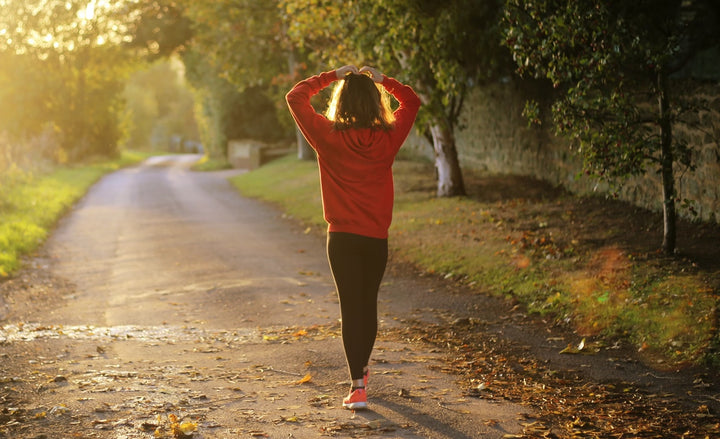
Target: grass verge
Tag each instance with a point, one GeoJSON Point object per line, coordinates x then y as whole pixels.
{"type": "Point", "coordinates": [291, 184]}
{"type": "Point", "coordinates": [30, 206]}
{"type": "Point", "coordinates": [211, 164]}
{"type": "Point", "coordinates": [569, 259]}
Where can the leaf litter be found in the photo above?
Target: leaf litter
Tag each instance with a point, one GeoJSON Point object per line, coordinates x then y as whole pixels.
{"type": "Point", "coordinates": [565, 404]}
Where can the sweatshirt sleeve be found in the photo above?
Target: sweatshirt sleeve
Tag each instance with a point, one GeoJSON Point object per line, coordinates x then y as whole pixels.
{"type": "Point", "coordinates": [407, 111]}
{"type": "Point", "coordinates": [311, 123]}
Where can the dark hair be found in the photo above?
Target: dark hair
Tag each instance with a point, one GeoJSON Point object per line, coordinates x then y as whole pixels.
{"type": "Point", "coordinates": [358, 102]}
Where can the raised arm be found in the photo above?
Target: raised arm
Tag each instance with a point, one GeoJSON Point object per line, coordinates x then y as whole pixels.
{"type": "Point", "coordinates": [298, 100]}
{"type": "Point", "coordinates": [409, 102]}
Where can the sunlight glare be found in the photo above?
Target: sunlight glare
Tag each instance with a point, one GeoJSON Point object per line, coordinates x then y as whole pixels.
{"type": "Point", "coordinates": [88, 13]}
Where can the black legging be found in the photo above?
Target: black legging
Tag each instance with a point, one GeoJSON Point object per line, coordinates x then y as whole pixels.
{"type": "Point", "coordinates": [358, 265]}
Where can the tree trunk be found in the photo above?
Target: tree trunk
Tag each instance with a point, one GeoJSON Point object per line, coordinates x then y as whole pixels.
{"type": "Point", "coordinates": [449, 175]}
{"type": "Point", "coordinates": [305, 152]}
{"type": "Point", "coordinates": [450, 179]}
{"type": "Point", "coordinates": [666, 162]}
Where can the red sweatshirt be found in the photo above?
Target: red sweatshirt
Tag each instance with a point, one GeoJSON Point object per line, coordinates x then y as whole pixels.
{"type": "Point", "coordinates": [355, 164]}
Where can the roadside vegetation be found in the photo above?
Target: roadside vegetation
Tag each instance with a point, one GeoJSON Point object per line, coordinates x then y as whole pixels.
{"type": "Point", "coordinates": [211, 164]}
{"type": "Point", "coordinates": [31, 203]}
{"type": "Point", "coordinates": [585, 263]}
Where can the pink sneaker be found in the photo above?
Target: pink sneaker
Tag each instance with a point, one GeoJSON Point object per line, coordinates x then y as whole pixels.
{"type": "Point", "coordinates": [357, 399]}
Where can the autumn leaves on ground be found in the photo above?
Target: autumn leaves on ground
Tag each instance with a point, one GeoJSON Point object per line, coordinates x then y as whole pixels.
{"type": "Point", "coordinates": [587, 265]}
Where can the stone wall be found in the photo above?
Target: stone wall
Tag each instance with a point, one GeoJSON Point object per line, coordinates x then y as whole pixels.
{"type": "Point", "coordinates": [703, 184]}
{"type": "Point", "coordinates": [494, 138]}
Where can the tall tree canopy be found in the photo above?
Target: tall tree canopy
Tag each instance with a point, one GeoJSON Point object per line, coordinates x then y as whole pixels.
{"type": "Point", "coordinates": [242, 39]}
{"type": "Point", "coordinates": [234, 61]}
{"type": "Point", "coordinates": [611, 62]}
{"type": "Point", "coordinates": [440, 48]}
{"type": "Point", "coordinates": [64, 68]}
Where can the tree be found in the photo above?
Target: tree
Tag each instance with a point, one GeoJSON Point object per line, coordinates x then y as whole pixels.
{"type": "Point", "coordinates": [239, 43]}
{"type": "Point", "coordinates": [160, 105]}
{"type": "Point", "coordinates": [609, 60]}
{"type": "Point", "coordinates": [71, 50]}
{"type": "Point", "coordinates": [157, 29]}
{"type": "Point", "coordinates": [224, 112]}
{"type": "Point", "coordinates": [441, 48]}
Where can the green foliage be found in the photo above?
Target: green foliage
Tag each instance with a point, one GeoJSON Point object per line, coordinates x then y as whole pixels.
{"type": "Point", "coordinates": [241, 39]}
{"type": "Point", "coordinates": [604, 58]}
{"type": "Point", "coordinates": [160, 106]}
{"type": "Point", "coordinates": [159, 28]}
{"type": "Point", "coordinates": [24, 84]}
{"type": "Point", "coordinates": [67, 72]}
{"type": "Point", "coordinates": [611, 63]}
{"type": "Point", "coordinates": [441, 48]}
{"type": "Point", "coordinates": [223, 112]}
{"type": "Point", "coordinates": [607, 60]}
{"type": "Point", "coordinates": [237, 64]}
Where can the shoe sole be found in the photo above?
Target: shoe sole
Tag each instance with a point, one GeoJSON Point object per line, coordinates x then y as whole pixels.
{"type": "Point", "coordinates": [355, 405]}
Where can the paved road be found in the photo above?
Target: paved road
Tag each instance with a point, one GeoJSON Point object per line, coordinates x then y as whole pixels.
{"type": "Point", "coordinates": [181, 298]}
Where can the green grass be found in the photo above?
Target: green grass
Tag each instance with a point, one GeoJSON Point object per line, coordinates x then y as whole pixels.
{"type": "Point", "coordinates": [208, 164]}
{"type": "Point", "coordinates": [665, 310]}
{"type": "Point", "coordinates": [289, 183]}
{"type": "Point", "coordinates": [30, 206]}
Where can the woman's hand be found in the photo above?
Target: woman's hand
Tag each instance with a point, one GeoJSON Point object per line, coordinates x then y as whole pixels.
{"type": "Point", "coordinates": [341, 72]}
{"type": "Point", "coordinates": [374, 73]}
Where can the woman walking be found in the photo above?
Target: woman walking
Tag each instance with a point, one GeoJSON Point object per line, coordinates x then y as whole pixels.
{"type": "Point", "coordinates": [356, 143]}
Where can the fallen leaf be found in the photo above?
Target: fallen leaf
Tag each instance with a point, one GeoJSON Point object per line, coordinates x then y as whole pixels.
{"type": "Point", "coordinates": [148, 426]}
{"type": "Point", "coordinates": [187, 427]}
{"type": "Point", "coordinates": [582, 348]}
{"type": "Point", "coordinates": [304, 379]}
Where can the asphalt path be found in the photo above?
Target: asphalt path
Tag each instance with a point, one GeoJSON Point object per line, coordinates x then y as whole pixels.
{"type": "Point", "coordinates": [185, 302]}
